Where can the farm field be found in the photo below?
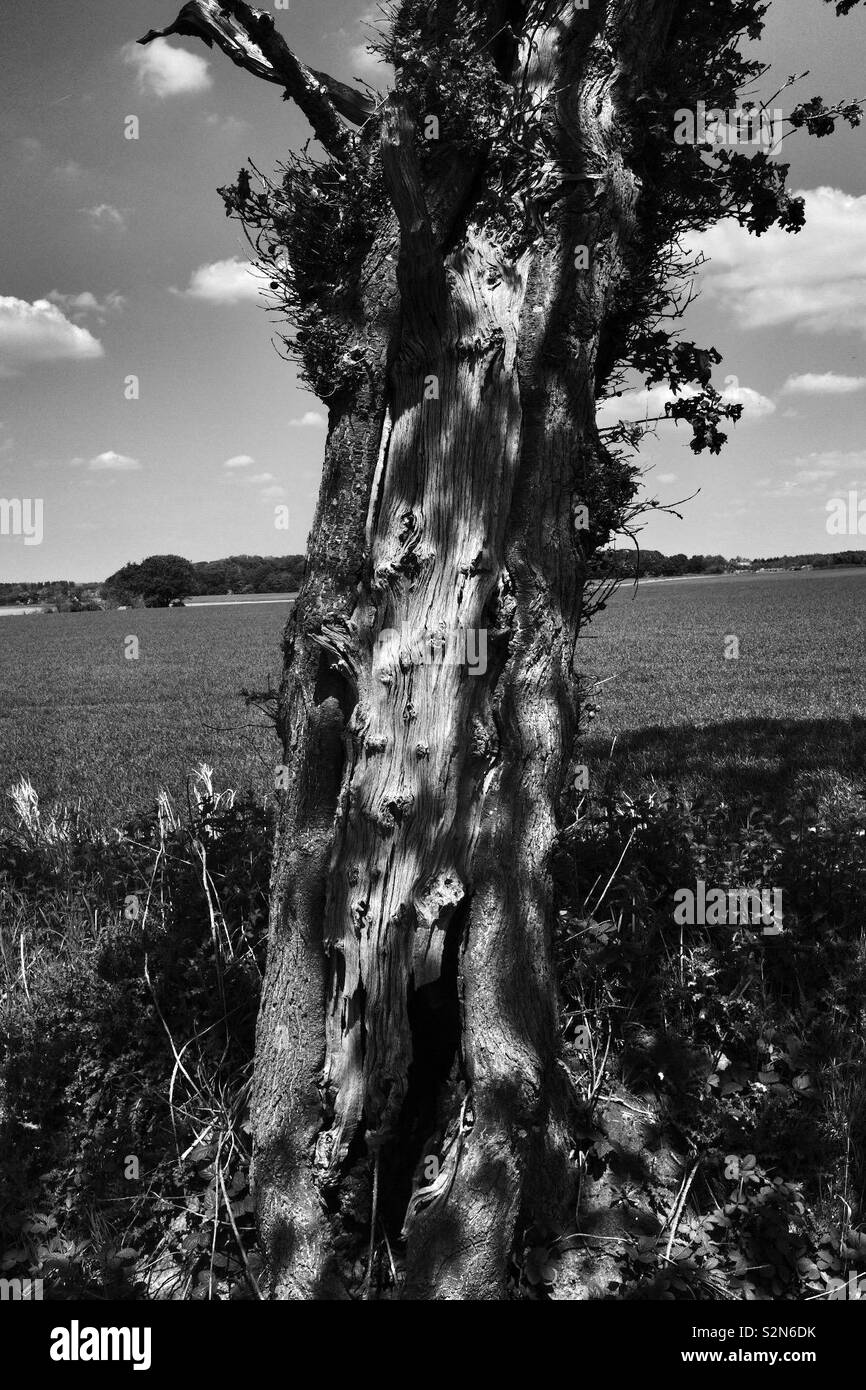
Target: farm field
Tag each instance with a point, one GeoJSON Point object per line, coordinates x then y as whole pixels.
{"type": "Point", "coordinates": [234, 600]}
{"type": "Point", "coordinates": [83, 723]}
{"type": "Point", "coordinates": [792, 706]}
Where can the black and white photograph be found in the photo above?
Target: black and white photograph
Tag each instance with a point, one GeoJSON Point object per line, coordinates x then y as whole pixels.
{"type": "Point", "coordinates": [432, 673]}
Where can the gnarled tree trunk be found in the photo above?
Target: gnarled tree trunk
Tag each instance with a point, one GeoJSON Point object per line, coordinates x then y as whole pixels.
{"type": "Point", "coordinates": [407, 1052]}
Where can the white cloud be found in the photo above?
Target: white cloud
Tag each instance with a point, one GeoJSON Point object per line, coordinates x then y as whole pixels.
{"type": "Point", "coordinates": [164, 71]}
{"type": "Point", "coordinates": [309, 418]}
{"type": "Point", "coordinates": [649, 403]}
{"type": "Point", "coordinates": [78, 306]}
{"type": "Point", "coordinates": [30, 148]}
{"type": "Point", "coordinates": [824, 384]}
{"type": "Point", "coordinates": [632, 406]}
{"type": "Point", "coordinates": [831, 463]}
{"type": "Point", "coordinates": [40, 332]}
{"type": "Point", "coordinates": [755, 406]}
{"type": "Point", "coordinates": [104, 217]}
{"type": "Point", "coordinates": [265, 482]}
{"type": "Point", "coordinates": [812, 475]}
{"type": "Point", "coordinates": [229, 126]}
{"type": "Point", "coordinates": [361, 62]}
{"type": "Point", "coordinates": [367, 66]}
{"type": "Point", "coordinates": [226, 282]}
{"type": "Point", "coordinates": [666, 478]}
{"type": "Point", "coordinates": [70, 171]}
{"type": "Point", "coordinates": [816, 474]}
{"type": "Point", "coordinates": [110, 462]}
{"type": "Point", "coordinates": [814, 280]}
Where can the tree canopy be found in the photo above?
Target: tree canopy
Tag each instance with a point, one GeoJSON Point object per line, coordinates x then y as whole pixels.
{"type": "Point", "coordinates": [156, 582]}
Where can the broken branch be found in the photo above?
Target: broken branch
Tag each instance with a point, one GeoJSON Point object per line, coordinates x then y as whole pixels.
{"type": "Point", "coordinates": [421, 273]}
{"type": "Point", "coordinates": [250, 39]}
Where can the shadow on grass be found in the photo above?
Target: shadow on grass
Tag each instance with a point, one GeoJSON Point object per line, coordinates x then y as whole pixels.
{"type": "Point", "coordinates": [743, 760]}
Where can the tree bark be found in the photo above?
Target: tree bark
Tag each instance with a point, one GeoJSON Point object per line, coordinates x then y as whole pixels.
{"type": "Point", "coordinates": [408, 1039]}
{"type": "Point", "coordinates": [419, 924]}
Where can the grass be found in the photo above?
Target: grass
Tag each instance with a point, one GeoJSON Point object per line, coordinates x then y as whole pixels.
{"type": "Point", "coordinates": [124, 1149]}
{"type": "Point", "coordinates": [86, 725]}
{"type": "Point", "coordinates": [745, 1053]}
{"type": "Point", "coordinates": [788, 715]}
{"type": "Point", "coordinates": [698, 1056]}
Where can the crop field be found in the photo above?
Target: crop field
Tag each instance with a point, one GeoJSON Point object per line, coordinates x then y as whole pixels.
{"type": "Point", "coordinates": [791, 706]}
{"type": "Point", "coordinates": [84, 723]}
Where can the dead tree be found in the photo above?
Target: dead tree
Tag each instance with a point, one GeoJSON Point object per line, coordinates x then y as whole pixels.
{"type": "Point", "coordinates": [468, 265]}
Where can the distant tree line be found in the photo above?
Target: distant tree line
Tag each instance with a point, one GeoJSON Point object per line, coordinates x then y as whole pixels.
{"type": "Point", "coordinates": [841, 560]}
{"type": "Point", "coordinates": [163, 579]}
{"type": "Point", "coordinates": [251, 574]}
{"type": "Point", "coordinates": [61, 594]}
{"type": "Point", "coordinates": [652, 564]}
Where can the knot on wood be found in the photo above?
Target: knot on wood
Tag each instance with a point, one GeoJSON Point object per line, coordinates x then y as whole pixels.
{"type": "Point", "coordinates": [471, 349]}
{"type": "Point", "coordinates": [408, 527]}
{"type": "Point", "coordinates": [324, 1150]}
{"type": "Point", "coordinates": [483, 741]}
{"type": "Point", "coordinates": [395, 811]}
{"type": "Point", "coordinates": [480, 564]}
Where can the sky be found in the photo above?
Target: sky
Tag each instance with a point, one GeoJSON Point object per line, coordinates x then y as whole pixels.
{"type": "Point", "coordinates": [118, 263]}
